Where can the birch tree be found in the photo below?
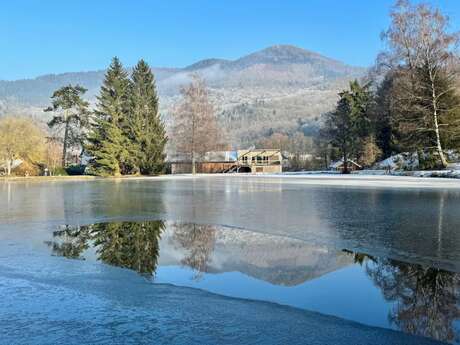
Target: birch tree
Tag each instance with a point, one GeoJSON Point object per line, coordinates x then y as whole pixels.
{"type": "Point", "coordinates": [422, 52]}
{"type": "Point", "coordinates": [195, 130]}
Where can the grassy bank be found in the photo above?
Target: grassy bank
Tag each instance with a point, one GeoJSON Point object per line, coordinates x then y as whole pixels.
{"type": "Point", "coordinates": [49, 178]}
{"type": "Point", "coordinates": [72, 178]}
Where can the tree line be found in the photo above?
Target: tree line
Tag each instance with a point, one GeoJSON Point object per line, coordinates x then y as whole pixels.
{"type": "Point", "coordinates": [409, 102]}
{"type": "Point", "coordinates": [122, 134]}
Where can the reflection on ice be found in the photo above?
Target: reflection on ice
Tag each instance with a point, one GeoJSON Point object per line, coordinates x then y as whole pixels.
{"type": "Point", "coordinates": [425, 300]}
{"type": "Point", "coordinates": [131, 245]}
{"type": "Point", "coordinates": [203, 248]}
{"type": "Point", "coordinates": [413, 298]}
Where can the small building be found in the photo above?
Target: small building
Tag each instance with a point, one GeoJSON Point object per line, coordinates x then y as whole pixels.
{"type": "Point", "coordinates": [242, 161]}
{"type": "Point", "coordinates": [339, 165]}
{"type": "Point", "coordinates": [260, 161]}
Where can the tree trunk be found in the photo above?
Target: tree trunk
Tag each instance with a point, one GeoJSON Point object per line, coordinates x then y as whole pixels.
{"type": "Point", "coordinates": [193, 145]}
{"type": "Point", "coordinates": [438, 140]}
{"type": "Point", "coordinates": [193, 164]}
{"type": "Point", "coordinates": [436, 123]}
{"type": "Point", "coordinates": [8, 167]}
{"type": "Point", "coordinates": [64, 146]}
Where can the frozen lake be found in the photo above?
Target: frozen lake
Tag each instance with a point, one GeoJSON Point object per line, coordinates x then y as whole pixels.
{"type": "Point", "coordinates": [230, 259]}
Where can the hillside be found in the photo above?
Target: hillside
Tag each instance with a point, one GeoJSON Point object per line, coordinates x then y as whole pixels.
{"type": "Point", "coordinates": [274, 89]}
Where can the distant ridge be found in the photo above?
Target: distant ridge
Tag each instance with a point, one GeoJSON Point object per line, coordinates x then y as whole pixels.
{"type": "Point", "coordinates": [206, 63]}
{"type": "Point", "coordinates": [281, 88]}
{"type": "Point", "coordinates": [277, 54]}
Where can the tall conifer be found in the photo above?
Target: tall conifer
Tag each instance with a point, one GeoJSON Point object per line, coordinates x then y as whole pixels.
{"type": "Point", "coordinates": [107, 143]}
{"type": "Point", "coordinates": [148, 136]}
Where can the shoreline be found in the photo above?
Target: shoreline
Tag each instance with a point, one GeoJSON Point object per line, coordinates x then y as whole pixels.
{"type": "Point", "coordinates": [318, 179]}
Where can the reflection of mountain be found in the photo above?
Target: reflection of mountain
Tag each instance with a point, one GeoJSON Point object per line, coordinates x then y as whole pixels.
{"type": "Point", "coordinates": [204, 248]}
{"type": "Point", "coordinates": [278, 260]}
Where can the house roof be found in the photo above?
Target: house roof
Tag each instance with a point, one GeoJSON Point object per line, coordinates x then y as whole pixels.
{"type": "Point", "coordinates": [258, 152]}
{"type": "Point", "coordinates": [339, 163]}
{"type": "Point", "coordinates": [220, 156]}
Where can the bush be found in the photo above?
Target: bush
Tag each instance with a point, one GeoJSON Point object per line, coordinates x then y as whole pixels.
{"type": "Point", "coordinates": [75, 170]}
{"type": "Point", "coordinates": [430, 161]}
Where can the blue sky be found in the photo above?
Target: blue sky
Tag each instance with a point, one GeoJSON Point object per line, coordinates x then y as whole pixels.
{"type": "Point", "coordinates": [54, 36]}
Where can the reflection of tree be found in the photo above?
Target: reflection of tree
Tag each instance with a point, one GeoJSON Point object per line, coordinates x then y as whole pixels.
{"type": "Point", "coordinates": [199, 241]}
{"type": "Point", "coordinates": [133, 245]}
{"type": "Point", "coordinates": [425, 299]}
{"type": "Point", "coordinates": [73, 241]}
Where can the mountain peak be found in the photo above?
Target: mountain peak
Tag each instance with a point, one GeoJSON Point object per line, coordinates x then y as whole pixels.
{"type": "Point", "coordinates": [283, 54]}
{"type": "Point", "coordinates": [287, 49]}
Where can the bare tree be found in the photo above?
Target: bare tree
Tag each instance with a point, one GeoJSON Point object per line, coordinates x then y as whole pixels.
{"type": "Point", "coordinates": [199, 242]}
{"type": "Point", "coordinates": [20, 139]}
{"type": "Point", "coordinates": [422, 51]}
{"type": "Point", "coordinates": [195, 130]}
{"type": "Point", "coordinates": [53, 154]}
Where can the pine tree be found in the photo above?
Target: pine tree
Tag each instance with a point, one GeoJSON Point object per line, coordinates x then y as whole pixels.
{"type": "Point", "coordinates": [382, 114]}
{"type": "Point", "coordinates": [348, 127]}
{"type": "Point", "coordinates": [106, 145]}
{"type": "Point", "coordinates": [148, 136]}
{"type": "Point", "coordinates": [107, 142]}
{"type": "Point", "coordinates": [70, 116]}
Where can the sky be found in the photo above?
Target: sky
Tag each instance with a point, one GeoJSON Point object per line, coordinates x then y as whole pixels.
{"type": "Point", "coordinates": [54, 36]}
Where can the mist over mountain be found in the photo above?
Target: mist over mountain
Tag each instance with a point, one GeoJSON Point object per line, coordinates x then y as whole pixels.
{"type": "Point", "coordinates": [275, 89]}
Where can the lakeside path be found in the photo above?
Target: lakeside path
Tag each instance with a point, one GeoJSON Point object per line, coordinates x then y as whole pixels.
{"type": "Point", "coordinates": [320, 179]}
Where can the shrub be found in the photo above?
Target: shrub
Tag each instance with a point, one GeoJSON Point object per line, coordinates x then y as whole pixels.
{"type": "Point", "coordinates": [75, 170]}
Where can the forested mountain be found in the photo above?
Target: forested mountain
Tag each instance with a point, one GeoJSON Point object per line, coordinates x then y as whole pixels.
{"type": "Point", "coordinates": [280, 88]}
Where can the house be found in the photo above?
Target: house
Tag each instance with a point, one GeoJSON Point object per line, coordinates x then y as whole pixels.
{"type": "Point", "coordinates": [260, 161]}
{"type": "Point", "coordinates": [248, 161]}
{"type": "Point", "coordinates": [339, 166]}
